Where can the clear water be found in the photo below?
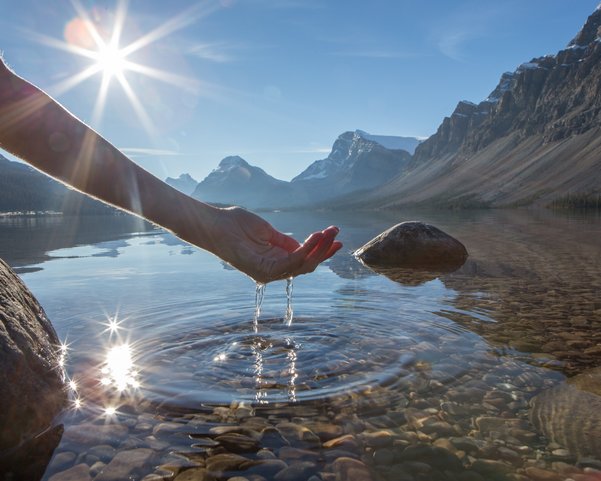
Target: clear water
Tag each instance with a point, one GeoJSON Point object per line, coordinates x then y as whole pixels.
{"type": "Point", "coordinates": [155, 327]}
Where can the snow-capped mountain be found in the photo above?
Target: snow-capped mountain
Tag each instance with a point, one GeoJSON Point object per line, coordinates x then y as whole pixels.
{"type": "Point", "coordinates": [235, 181]}
{"type": "Point", "coordinates": [357, 161]}
{"type": "Point", "coordinates": [184, 183]}
{"type": "Point", "coordinates": [392, 142]}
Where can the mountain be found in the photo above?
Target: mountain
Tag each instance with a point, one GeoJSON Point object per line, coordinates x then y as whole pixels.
{"type": "Point", "coordinates": [358, 161]}
{"type": "Point", "coordinates": [535, 140]}
{"type": "Point", "coordinates": [392, 142]}
{"type": "Point", "coordinates": [184, 183]}
{"type": "Point", "coordinates": [235, 181]}
{"type": "Point", "coordinates": [23, 188]}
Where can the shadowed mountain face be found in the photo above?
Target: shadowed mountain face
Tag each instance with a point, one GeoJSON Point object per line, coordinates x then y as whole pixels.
{"type": "Point", "coordinates": [536, 138]}
{"type": "Point", "coordinates": [23, 188]}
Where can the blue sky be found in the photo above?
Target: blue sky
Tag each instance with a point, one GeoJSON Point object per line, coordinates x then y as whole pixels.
{"type": "Point", "coordinates": [276, 81]}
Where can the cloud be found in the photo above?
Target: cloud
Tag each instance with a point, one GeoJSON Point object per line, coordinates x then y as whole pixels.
{"type": "Point", "coordinates": [144, 152]}
{"type": "Point", "coordinates": [288, 4]}
{"type": "Point", "coordinates": [452, 44]}
{"type": "Point", "coordinates": [219, 52]}
{"type": "Point", "coordinates": [457, 30]}
{"type": "Point", "coordinates": [375, 54]}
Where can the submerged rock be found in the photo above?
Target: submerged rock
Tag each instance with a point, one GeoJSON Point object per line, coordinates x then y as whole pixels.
{"type": "Point", "coordinates": [413, 245]}
{"type": "Point", "coordinates": [570, 414]}
{"type": "Point", "coordinates": [31, 381]}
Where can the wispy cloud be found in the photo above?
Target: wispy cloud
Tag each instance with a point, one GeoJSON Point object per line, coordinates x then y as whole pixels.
{"type": "Point", "coordinates": [220, 52]}
{"type": "Point", "coordinates": [289, 4]}
{"type": "Point", "coordinates": [453, 35]}
{"type": "Point", "coordinates": [452, 44]}
{"type": "Point", "coordinates": [144, 152]}
{"type": "Point", "coordinates": [375, 54]}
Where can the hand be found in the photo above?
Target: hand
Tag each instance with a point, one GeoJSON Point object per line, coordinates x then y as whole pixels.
{"type": "Point", "coordinates": [253, 246]}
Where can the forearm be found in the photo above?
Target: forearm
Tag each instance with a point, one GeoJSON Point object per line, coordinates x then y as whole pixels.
{"type": "Point", "coordinates": [37, 129]}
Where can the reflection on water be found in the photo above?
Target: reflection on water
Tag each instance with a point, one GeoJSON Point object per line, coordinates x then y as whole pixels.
{"type": "Point", "coordinates": [412, 376]}
{"type": "Point", "coordinates": [118, 369]}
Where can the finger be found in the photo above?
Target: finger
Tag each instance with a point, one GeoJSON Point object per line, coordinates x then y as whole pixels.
{"type": "Point", "coordinates": [288, 266]}
{"type": "Point", "coordinates": [336, 246]}
{"type": "Point", "coordinates": [318, 254]}
{"type": "Point", "coordinates": [284, 241]}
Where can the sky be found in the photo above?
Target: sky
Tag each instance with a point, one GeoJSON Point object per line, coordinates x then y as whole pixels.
{"type": "Point", "coordinates": [274, 81]}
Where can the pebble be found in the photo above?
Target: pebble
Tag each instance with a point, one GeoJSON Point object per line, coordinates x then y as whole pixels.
{"type": "Point", "coordinates": [383, 456]}
{"type": "Point", "coordinates": [349, 469]}
{"type": "Point", "coordinates": [225, 462]}
{"type": "Point", "coordinates": [103, 452]}
{"type": "Point", "coordinates": [238, 443]}
{"type": "Point", "coordinates": [347, 442]}
{"type": "Point", "coordinates": [267, 467]}
{"type": "Point", "coordinates": [194, 474]}
{"type": "Point", "coordinates": [296, 472]}
{"type": "Point", "coordinates": [80, 472]}
{"type": "Point", "coordinates": [62, 460]}
{"type": "Point", "coordinates": [96, 468]}
{"type": "Point", "coordinates": [124, 463]}
{"type": "Point", "coordinates": [378, 439]}
{"type": "Point", "coordinates": [538, 474]}
{"type": "Point", "coordinates": [290, 454]}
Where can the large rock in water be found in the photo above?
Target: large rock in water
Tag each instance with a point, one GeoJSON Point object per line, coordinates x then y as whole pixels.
{"type": "Point", "coordinates": [570, 414]}
{"type": "Point", "coordinates": [413, 244]}
{"type": "Point", "coordinates": [31, 382]}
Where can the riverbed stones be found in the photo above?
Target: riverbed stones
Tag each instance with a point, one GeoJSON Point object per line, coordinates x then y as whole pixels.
{"type": "Point", "coordinates": [125, 463]}
{"type": "Point", "coordinates": [31, 380]}
{"type": "Point", "coordinates": [414, 245]}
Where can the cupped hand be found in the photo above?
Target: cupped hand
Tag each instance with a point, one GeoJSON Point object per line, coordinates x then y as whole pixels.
{"type": "Point", "coordinates": [251, 245]}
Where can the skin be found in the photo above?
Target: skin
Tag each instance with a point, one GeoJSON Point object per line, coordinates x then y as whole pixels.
{"type": "Point", "coordinates": [36, 128]}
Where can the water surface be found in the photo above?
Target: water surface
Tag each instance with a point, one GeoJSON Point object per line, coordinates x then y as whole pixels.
{"type": "Point", "coordinates": [157, 330]}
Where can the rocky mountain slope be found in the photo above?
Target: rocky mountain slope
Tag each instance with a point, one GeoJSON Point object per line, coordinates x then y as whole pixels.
{"type": "Point", "coordinates": [535, 139]}
{"type": "Point", "coordinates": [23, 188]}
{"type": "Point", "coordinates": [357, 161]}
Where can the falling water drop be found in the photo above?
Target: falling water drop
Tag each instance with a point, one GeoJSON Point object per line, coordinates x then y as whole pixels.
{"type": "Point", "coordinates": [259, 293]}
{"type": "Point", "coordinates": [289, 312]}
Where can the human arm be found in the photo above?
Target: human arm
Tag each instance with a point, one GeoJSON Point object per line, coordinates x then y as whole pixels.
{"type": "Point", "coordinates": [37, 129]}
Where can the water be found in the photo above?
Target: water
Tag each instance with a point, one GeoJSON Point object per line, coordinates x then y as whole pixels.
{"type": "Point", "coordinates": [158, 332]}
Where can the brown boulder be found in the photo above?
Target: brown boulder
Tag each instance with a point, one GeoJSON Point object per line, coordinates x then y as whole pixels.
{"type": "Point", "coordinates": [413, 245]}
{"type": "Point", "coordinates": [31, 381]}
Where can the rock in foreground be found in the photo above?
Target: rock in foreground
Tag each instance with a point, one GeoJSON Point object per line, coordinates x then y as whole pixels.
{"type": "Point", "coordinates": [413, 244]}
{"type": "Point", "coordinates": [570, 414]}
{"type": "Point", "coordinates": [31, 382]}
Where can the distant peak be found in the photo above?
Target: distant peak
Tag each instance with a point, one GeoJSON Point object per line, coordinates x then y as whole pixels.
{"type": "Point", "coordinates": [233, 161]}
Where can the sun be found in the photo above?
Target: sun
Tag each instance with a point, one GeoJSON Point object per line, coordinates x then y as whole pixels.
{"type": "Point", "coordinates": [100, 44]}
{"type": "Point", "coordinates": [110, 60]}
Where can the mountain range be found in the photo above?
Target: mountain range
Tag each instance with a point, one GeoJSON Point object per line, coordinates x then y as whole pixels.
{"type": "Point", "coordinates": [535, 140]}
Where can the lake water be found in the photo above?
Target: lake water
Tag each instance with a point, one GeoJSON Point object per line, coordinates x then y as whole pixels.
{"type": "Point", "coordinates": [405, 376]}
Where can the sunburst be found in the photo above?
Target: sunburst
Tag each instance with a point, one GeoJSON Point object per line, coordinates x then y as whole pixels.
{"type": "Point", "coordinates": [111, 60]}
